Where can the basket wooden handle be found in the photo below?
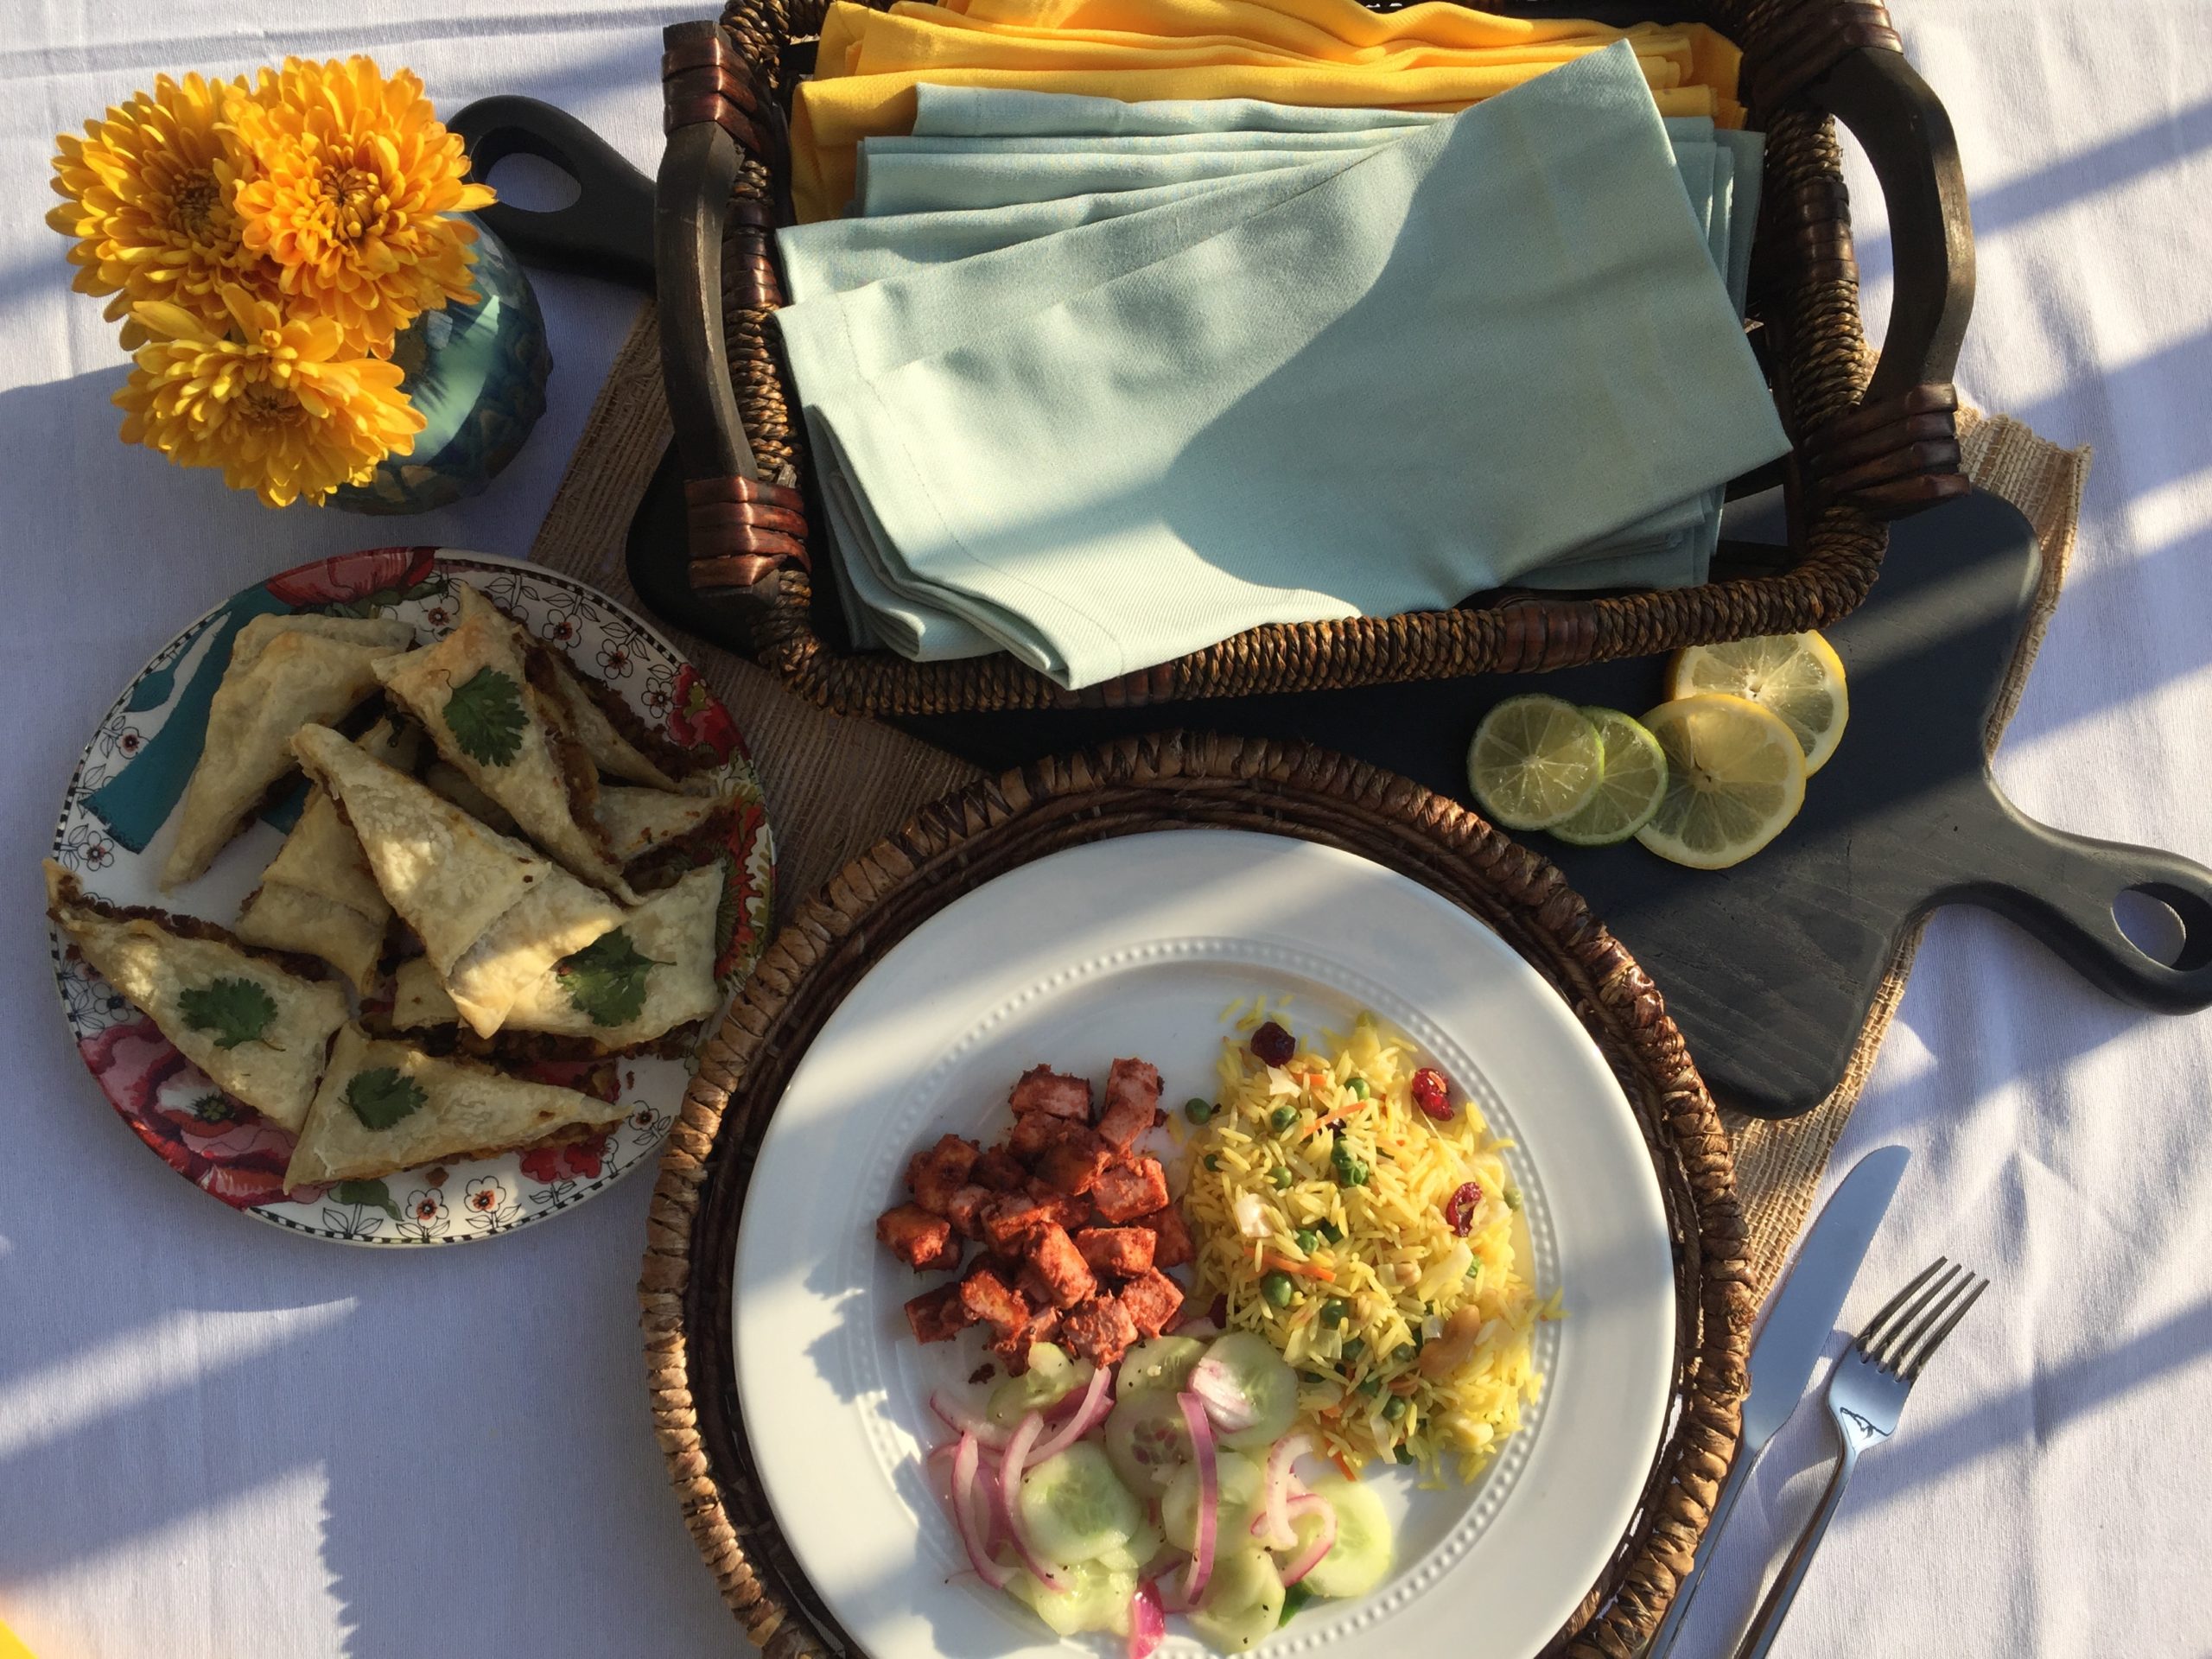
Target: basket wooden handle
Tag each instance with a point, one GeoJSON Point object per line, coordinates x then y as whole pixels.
{"type": "Point", "coordinates": [1896, 452]}
{"type": "Point", "coordinates": [744, 533]}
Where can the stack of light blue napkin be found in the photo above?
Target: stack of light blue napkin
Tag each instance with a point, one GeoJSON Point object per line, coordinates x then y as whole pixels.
{"type": "Point", "coordinates": [1100, 384]}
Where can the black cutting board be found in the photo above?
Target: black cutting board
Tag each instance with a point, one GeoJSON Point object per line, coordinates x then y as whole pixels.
{"type": "Point", "coordinates": [1770, 968]}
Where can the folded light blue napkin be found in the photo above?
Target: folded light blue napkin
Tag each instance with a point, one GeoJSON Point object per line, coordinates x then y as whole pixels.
{"type": "Point", "coordinates": [1354, 398]}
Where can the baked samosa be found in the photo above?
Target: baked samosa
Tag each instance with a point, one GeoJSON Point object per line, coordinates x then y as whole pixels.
{"type": "Point", "coordinates": [472, 691]}
{"type": "Point", "coordinates": [257, 1029]}
{"type": "Point", "coordinates": [628, 987]}
{"type": "Point", "coordinates": [492, 915]}
{"type": "Point", "coordinates": [285, 672]}
{"type": "Point", "coordinates": [318, 895]}
{"type": "Point", "coordinates": [613, 753]}
{"type": "Point", "coordinates": [386, 1106]}
{"type": "Point", "coordinates": [635, 821]}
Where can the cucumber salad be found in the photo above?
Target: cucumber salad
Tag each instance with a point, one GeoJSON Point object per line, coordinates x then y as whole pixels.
{"type": "Point", "coordinates": [1107, 1497]}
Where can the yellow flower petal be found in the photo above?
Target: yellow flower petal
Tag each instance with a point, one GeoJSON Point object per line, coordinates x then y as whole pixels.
{"type": "Point", "coordinates": [352, 183]}
{"type": "Point", "coordinates": [290, 409]}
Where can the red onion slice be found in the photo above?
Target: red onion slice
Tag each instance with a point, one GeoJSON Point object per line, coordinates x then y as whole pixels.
{"type": "Point", "coordinates": [1148, 1622]}
{"type": "Point", "coordinates": [967, 1513]}
{"type": "Point", "coordinates": [1223, 1397]}
{"type": "Point", "coordinates": [1194, 1414]}
{"type": "Point", "coordinates": [1272, 1522]}
{"type": "Point", "coordinates": [1098, 1401]}
{"type": "Point", "coordinates": [1017, 1459]}
{"type": "Point", "coordinates": [958, 1416]}
{"type": "Point", "coordinates": [1324, 1538]}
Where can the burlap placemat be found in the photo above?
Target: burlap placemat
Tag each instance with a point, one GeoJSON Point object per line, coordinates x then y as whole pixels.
{"type": "Point", "coordinates": [836, 786]}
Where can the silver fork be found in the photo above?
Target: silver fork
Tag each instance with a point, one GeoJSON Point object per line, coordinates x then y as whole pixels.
{"type": "Point", "coordinates": [1866, 1392]}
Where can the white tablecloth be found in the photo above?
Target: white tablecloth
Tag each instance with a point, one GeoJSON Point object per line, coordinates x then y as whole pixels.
{"type": "Point", "coordinates": [217, 1440]}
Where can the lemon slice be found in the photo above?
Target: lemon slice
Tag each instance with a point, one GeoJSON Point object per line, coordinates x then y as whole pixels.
{"type": "Point", "coordinates": [1628, 794]}
{"type": "Point", "coordinates": [1798, 675]}
{"type": "Point", "coordinates": [1735, 777]}
{"type": "Point", "coordinates": [1535, 760]}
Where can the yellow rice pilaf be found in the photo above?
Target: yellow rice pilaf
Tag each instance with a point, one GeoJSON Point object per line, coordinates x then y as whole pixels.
{"type": "Point", "coordinates": [1386, 1302]}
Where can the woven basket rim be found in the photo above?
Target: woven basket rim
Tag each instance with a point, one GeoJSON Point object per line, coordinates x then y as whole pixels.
{"type": "Point", "coordinates": [1821, 366]}
{"type": "Point", "coordinates": [1177, 779]}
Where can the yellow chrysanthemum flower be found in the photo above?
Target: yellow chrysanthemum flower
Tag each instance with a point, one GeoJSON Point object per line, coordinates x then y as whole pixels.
{"type": "Point", "coordinates": [288, 409]}
{"type": "Point", "coordinates": [151, 193]}
{"type": "Point", "coordinates": [353, 177]}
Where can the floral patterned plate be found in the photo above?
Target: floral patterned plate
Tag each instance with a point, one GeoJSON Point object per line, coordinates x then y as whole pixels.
{"type": "Point", "coordinates": [130, 781]}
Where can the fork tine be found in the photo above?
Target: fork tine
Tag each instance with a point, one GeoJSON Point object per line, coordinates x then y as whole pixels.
{"type": "Point", "coordinates": [1873, 1326]}
{"type": "Point", "coordinates": [1901, 1339]}
{"type": "Point", "coordinates": [1912, 1373]}
{"type": "Point", "coordinates": [1931, 1302]}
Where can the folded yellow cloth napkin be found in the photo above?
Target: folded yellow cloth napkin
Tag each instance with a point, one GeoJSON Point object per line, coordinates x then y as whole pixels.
{"type": "Point", "coordinates": [1315, 52]}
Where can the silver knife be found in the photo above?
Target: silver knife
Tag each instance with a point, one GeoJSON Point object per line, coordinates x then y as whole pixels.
{"type": "Point", "coordinates": [1797, 1324]}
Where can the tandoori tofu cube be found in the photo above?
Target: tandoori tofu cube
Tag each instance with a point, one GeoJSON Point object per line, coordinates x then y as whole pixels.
{"type": "Point", "coordinates": [1099, 1330]}
{"type": "Point", "coordinates": [1122, 1251]}
{"type": "Point", "coordinates": [1035, 1134]}
{"type": "Point", "coordinates": [1129, 1189]}
{"type": "Point", "coordinates": [937, 1315]}
{"type": "Point", "coordinates": [965, 1212]}
{"type": "Point", "coordinates": [999, 1170]}
{"type": "Point", "coordinates": [1070, 1212]}
{"type": "Point", "coordinates": [1173, 1233]}
{"type": "Point", "coordinates": [1060, 1265]}
{"type": "Point", "coordinates": [988, 1298]}
{"type": "Point", "coordinates": [1073, 1162]}
{"type": "Point", "coordinates": [934, 1174]}
{"type": "Point", "coordinates": [1009, 1218]}
{"type": "Point", "coordinates": [922, 1241]}
{"type": "Point", "coordinates": [1151, 1299]}
{"type": "Point", "coordinates": [1132, 1098]}
{"type": "Point", "coordinates": [1040, 1089]}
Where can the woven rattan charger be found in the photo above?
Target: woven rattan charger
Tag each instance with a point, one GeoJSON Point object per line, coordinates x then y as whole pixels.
{"type": "Point", "coordinates": [1871, 440]}
{"type": "Point", "coordinates": [986, 830]}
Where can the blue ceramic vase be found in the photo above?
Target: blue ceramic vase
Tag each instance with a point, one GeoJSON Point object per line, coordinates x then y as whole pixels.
{"type": "Point", "coordinates": [477, 375]}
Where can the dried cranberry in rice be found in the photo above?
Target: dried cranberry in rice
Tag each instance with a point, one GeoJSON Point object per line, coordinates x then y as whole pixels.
{"type": "Point", "coordinates": [1273, 1045]}
{"type": "Point", "coordinates": [1432, 1092]}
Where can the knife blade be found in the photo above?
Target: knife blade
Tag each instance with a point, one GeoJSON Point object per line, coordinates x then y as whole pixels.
{"type": "Point", "coordinates": [1796, 1326]}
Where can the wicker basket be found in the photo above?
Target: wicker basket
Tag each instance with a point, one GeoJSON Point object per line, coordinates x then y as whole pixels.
{"type": "Point", "coordinates": [993, 827]}
{"type": "Point", "coordinates": [1872, 442]}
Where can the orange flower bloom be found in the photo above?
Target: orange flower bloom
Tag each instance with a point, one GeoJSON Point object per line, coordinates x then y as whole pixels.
{"type": "Point", "coordinates": [288, 409]}
{"type": "Point", "coordinates": [353, 179]}
{"type": "Point", "coordinates": [149, 195]}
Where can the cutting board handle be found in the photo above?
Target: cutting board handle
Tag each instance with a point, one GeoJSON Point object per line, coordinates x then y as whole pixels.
{"type": "Point", "coordinates": [2062, 888]}
{"type": "Point", "coordinates": [606, 231]}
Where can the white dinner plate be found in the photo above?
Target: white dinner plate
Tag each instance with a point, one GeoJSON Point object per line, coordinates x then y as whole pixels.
{"type": "Point", "coordinates": [1136, 946]}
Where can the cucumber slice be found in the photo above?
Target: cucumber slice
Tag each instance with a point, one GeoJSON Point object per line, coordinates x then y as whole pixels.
{"type": "Point", "coordinates": [1052, 1377]}
{"type": "Point", "coordinates": [1137, 1554]}
{"type": "Point", "coordinates": [1360, 1559]}
{"type": "Point", "coordinates": [1076, 1508]}
{"type": "Point", "coordinates": [1243, 1366]}
{"type": "Point", "coordinates": [1241, 1498]}
{"type": "Point", "coordinates": [1162, 1362]}
{"type": "Point", "coordinates": [1243, 1601]}
{"type": "Point", "coordinates": [1147, 1441]}
{"type": "Point", "coordinates": [1097, 1598]}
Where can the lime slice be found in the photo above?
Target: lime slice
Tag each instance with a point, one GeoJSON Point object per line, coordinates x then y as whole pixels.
{"type": "Point", "coordinates": [1735, 777]}
{"type": "Point", "coordinates": [1628, 794]}
{"type": "Point", "coordinates": [1535, 760]}
{"type": "Point", "coordinates": [1796, 676]}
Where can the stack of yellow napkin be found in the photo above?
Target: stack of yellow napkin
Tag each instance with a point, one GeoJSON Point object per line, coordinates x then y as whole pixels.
{"type": "Point", "coordinates": [1327, 53]}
